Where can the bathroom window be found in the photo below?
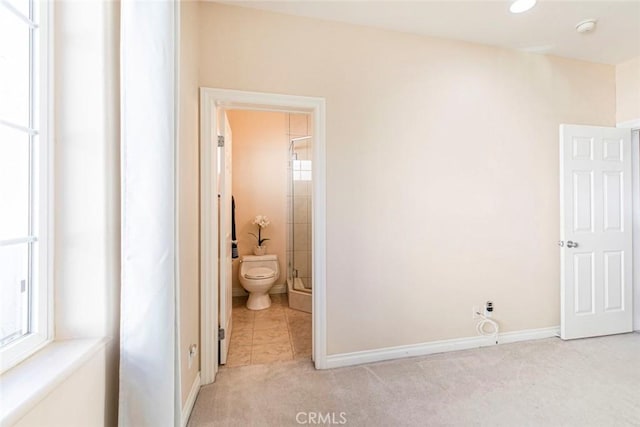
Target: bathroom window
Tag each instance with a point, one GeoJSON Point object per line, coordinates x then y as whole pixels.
{"type": "Point", "coordinates": [24, 213]}
{"type": "Point", "coordinates": [302, 170]}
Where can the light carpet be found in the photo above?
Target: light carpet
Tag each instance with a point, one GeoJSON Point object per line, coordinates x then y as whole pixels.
{"type": "Point", "coordinates": [550, 382]}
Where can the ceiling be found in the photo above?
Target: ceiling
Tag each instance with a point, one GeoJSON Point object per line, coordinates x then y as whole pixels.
{"type": "Point", "coordinates": [548, 28]}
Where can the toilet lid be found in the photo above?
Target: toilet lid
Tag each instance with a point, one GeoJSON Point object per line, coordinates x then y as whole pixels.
{"type": "Point", "coordinates": [260, 273]}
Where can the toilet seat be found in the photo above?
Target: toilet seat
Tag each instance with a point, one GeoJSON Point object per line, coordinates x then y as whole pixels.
{"type": "Point", "coordinates": [260, 273]}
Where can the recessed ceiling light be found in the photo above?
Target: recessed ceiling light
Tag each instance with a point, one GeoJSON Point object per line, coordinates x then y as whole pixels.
{"type": "Point", "coordinates": [520, 6]}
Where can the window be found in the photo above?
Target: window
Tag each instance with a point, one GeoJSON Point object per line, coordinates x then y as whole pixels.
{"type": "Point", "coordinates": [302, 170]}
{"type": "Point", "coordinates": [24, 181]}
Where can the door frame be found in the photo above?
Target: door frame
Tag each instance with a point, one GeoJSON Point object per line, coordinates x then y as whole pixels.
{"type": "Point", "coordinates": [634, 125]}
{"type": "Point", "coordinates": [210, 99]}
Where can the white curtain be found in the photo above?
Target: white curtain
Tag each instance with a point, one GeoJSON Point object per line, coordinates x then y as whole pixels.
{"type": "Point", "coordinates": [148, 386]}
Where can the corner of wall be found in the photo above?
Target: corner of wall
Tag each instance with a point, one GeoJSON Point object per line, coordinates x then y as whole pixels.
{"type": "Point", "coordinates": [628, 90]}
{"type": "Point", "coordinates": [188, 195]}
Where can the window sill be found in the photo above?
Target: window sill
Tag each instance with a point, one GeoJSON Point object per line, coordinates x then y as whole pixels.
{"type": "Point", "coordinates": [25, 385]}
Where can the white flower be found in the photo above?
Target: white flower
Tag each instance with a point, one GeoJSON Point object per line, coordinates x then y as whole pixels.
{"type": "Point", "coordinates": [261, 221]}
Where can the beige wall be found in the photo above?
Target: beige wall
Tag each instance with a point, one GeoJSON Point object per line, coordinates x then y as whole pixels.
{"type": "Point", "coordinates": [87, 169]}
{"type": "Point", "coordinates": [188, 196]}
{"type": "Point", "coordinates": [628, 90]}
{"type": "Point", "coordinates": [79, 401]}
{"type": "Point", "coordinates": [442, 167]}
{"type": "Point", "coordinates": [259, 152]}
{"type": "Point", "coordinates": [87, 206]}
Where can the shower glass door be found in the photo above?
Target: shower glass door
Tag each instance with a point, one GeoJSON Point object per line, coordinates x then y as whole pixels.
{"type": "Point", "coordinates": [299, 244]}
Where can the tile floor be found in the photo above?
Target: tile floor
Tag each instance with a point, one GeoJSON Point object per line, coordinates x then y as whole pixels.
{"type": "Point", "coordinates": [275, 334]}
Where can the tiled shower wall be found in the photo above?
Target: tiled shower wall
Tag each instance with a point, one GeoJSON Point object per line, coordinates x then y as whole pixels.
{"type": "Point", "coordinates": [299, 199]}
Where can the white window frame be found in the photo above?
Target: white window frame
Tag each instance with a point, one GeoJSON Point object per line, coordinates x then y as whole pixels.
{"type": "Point", "coordinates": [41, 302]}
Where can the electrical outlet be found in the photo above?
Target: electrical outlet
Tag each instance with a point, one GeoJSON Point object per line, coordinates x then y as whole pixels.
{"type": "Point", "coordinates": [474, 313]}
{"type": "Point", "coordinates": [192, 353]}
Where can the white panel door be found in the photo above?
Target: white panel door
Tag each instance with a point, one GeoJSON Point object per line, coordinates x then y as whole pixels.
{"type": "Point", "coordinates": [226, 266]}
{"type": "Point", "coordinates": [595, 231]}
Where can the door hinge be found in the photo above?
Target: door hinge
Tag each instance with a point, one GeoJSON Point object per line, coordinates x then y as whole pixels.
{"type": "Point", "coordinates": [220, 334]}
{"type": "Point", "coordinates": [220, 141]}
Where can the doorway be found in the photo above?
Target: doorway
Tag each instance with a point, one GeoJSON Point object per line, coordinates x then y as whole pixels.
{"type": "Point", "coordinates": [595, 231]}
{"type": "Point", "coordinates": [272, 200]}
{"type": "Point", "coordinates": [600, 216]}
{"type": "Point", "coordinates": [213, 101]}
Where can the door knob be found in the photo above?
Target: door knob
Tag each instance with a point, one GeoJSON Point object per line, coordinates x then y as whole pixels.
{"type": "Point", "coordinates": [561, 243]}
{"type": "Point", "coordinates": [571, 244]}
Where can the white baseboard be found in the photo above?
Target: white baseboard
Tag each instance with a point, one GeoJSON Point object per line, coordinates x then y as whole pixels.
{"type": "Point", "coordinates": [399, 352]}
{"type": "Point", "coordinates": [277, 289]}
{"type": "Point", "coordinates": [238, 292]}
{"type": "Point", "coordinates": [191, 400]}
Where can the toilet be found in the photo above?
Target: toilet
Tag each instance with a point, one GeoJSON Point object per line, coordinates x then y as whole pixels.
{"type": "Point", "coordinates": [257, 275]}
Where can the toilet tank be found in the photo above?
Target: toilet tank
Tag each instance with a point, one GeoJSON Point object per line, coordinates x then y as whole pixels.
{"type": "Point", "coordinates": [254, 261]}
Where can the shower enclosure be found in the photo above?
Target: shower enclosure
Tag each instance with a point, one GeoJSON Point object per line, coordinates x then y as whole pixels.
{"type": "Point", "coordinates": [299, 245]}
